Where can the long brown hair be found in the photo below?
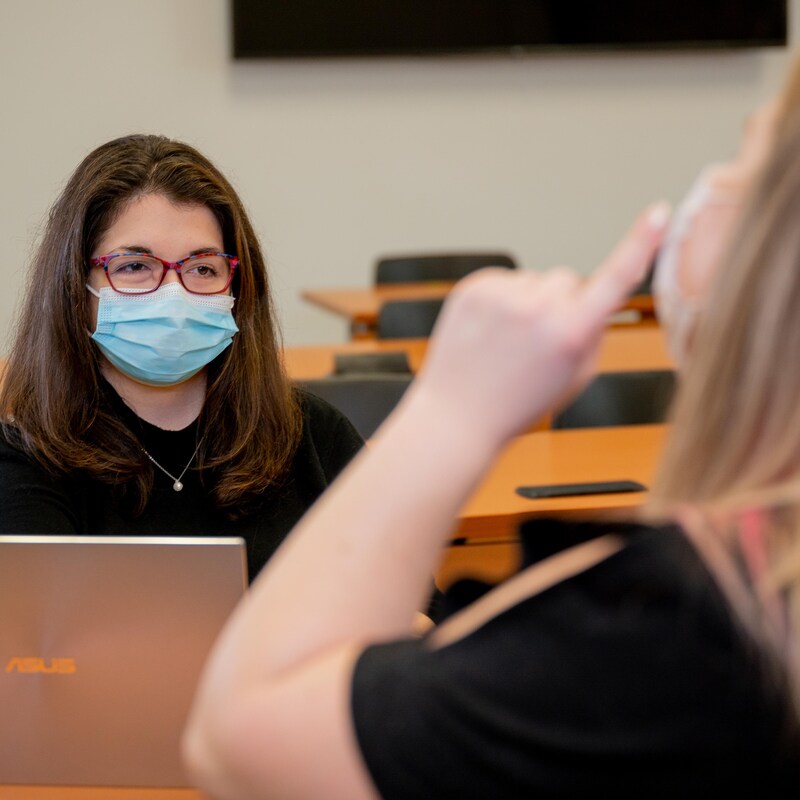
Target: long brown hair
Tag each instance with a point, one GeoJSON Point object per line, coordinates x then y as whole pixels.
{"type": "Point", "coordinates": [735, 442]}
{"type": "Point", "coordinates": [53, 388]}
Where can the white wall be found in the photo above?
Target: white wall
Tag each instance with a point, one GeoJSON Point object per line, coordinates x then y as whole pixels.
{"type": "Point", "coordinates": [546, 156]}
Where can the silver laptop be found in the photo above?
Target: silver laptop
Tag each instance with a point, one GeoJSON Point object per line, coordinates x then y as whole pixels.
{"type": "Point", "coordinates": [102, 640]}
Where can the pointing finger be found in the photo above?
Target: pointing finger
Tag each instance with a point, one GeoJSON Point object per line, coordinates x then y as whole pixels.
{"type": "Point", "coordinates": [626, 265]}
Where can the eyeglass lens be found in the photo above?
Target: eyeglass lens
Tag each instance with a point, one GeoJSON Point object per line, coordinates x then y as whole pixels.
{"type": "Point", "coordinates": [204, 274]}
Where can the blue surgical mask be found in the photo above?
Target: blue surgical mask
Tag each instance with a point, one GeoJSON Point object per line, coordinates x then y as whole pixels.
{"type": "Point", "coordinates": [164, 337]}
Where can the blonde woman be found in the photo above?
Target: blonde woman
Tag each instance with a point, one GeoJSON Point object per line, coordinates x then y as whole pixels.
{"type": "Point", "coordinates": [644, 659]}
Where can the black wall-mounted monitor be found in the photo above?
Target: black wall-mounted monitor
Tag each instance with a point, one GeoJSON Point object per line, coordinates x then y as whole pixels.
{"type": "Point", "coordinates": [312, 28]}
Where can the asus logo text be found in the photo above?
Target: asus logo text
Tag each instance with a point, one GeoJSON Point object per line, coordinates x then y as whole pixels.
{"type": "Point", "coordinates": [60, 666]}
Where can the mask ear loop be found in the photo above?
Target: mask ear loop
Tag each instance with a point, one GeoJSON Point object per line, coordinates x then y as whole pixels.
{"type": "Point", "coordinates": [93, 291]}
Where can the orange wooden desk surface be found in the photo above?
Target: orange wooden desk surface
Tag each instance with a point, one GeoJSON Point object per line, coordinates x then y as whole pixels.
{"type": "Point", "coordinates": [624, 348]}
{"type": "Point", "coordinates": [362, 305]}
{"type": "Point", "coordinates": [562, 456]}
{"type": "Point", "coordinates": [488, 524]}
{"type": "Point", "coordinates": [95, 793]}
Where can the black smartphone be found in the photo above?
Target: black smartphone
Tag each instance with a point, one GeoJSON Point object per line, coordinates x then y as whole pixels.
{"type": "Point", "coordinates": [564, 489]}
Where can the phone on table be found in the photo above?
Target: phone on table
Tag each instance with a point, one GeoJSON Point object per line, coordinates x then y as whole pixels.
{"type": "Point", "coordinates": [568, 489]}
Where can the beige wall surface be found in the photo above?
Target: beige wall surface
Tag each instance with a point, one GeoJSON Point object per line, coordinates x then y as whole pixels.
{"type": "Point", "coordinates": [547, 156]}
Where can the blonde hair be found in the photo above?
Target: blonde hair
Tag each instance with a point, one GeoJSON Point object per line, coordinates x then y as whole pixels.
{"type": "Point", "coordinates": [735, 442]}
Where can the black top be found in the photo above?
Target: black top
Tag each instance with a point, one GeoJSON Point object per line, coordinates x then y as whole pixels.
{"type": "Point", "coordinates": [629, 679]}
{"type": "Point", "coordinates": [34, 502]}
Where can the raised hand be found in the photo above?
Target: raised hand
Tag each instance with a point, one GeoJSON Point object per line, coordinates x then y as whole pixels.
{"type": "Point", "coordinates": [510, 345]}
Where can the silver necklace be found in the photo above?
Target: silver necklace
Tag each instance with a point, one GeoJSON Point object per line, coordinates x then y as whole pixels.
{"type": "Point", "coordinates": [177, 485]}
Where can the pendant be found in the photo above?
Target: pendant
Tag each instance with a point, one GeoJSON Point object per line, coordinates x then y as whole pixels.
{"type": "Point", "coordinates": [177, 486]}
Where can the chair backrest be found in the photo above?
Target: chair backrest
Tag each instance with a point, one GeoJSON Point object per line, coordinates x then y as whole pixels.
{"type": "Point", "coordinates": [408, 319]}
{"type": "Point", "coordinates": [620, 398]}
{"type": "Point", "coordinates": [392, 362]}
{"type": "Point", "coordinates": [646, 285]}
{"type": "Point", "coordinates": [442, 267]}
{"type": "Point", "coordinates": [366, 400]}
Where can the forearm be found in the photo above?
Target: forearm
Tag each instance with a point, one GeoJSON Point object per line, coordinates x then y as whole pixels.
{"type": "Point", "coordinates": [354, 570]}
{"type": "Point", "coordinates": [359, 564]}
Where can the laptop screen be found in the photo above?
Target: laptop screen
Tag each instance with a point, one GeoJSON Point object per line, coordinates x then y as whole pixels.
{"type": "Point", "coordinates": [102, 640]}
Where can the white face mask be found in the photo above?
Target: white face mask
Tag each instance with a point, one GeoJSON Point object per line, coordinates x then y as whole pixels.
{"type": "Point", "coordinates": [677, 307]}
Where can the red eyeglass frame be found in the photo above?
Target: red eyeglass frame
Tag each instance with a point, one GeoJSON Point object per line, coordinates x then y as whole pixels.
{"type": "Point", "coordinates": [102, 261]}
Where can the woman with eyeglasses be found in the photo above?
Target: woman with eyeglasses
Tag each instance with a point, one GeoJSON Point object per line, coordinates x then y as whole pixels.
{"type": "Point", "coordinates": [144, 392]}
{"type": "Point", "coordinates": [657, 656]}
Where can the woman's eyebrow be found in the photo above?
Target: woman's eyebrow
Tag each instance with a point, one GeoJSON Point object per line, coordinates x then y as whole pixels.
{"type": "Point", "coordinates": [211, 249]}
{"type": "Point", "coordinates": [133, 248]}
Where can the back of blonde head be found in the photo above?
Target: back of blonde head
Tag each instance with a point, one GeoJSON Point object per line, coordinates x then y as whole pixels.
{"type": "Point", "coordinates": [735, 443]}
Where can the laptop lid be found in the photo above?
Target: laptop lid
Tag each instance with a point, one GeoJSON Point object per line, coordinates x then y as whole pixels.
{"type": "Point", "coordinates": [102, 640]}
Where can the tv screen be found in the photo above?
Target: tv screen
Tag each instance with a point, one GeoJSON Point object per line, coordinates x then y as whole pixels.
{"type": "Point", "coordinates": [310, 28]}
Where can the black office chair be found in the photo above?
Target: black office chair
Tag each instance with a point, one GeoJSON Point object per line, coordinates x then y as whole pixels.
{"type": "Point", "coordinates": [646, 284]}
{"type": "Point", "coordinates": [620, 398]}
{"type": "Point", "coordinates": [366, 400]}
{"type": "Point", "coordinates": [442, 267]}
{"type": "Point", "coordinates": [392, 363]}
{"type": "Point", "coordinates": [408, 319]}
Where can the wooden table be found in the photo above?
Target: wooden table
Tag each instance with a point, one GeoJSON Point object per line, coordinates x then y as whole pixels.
{"type": "Point", "coordinates": [635, 347]}
{"type": "Point", "coordinates": [361, 306]}
{"type": "Point", "coordinates": [488, 523]}
{"type": "Point", "coordinates": [561, 456]}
